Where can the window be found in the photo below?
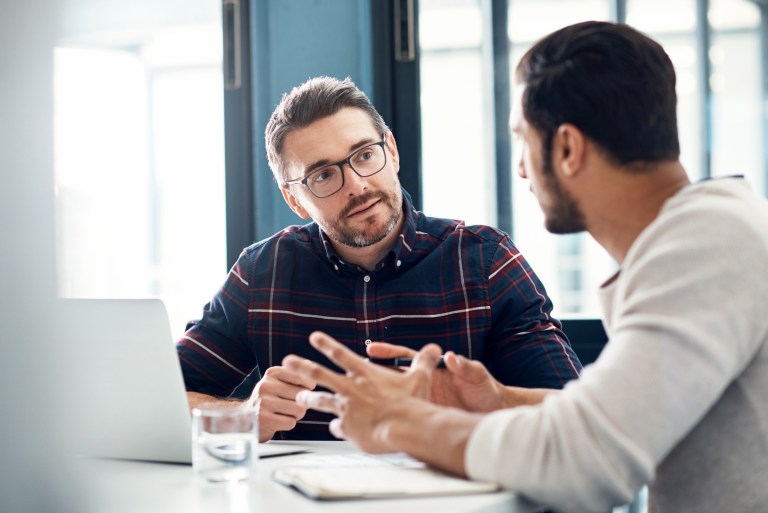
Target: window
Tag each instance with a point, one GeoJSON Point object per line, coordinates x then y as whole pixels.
{"type": "Point", "coordinates": [456, 102]}
{"type": "Point", "coordinates": [737, 126]}
{"type": "Point", "coordinates": [139, 155]}
{"type": "Point", "coordinates": [721, 115]}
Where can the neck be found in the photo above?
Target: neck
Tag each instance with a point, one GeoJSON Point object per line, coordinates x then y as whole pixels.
{"type": "Point", "coordinates": [626, 202]}
{"type": "Point", "coordinates": [369, 256]}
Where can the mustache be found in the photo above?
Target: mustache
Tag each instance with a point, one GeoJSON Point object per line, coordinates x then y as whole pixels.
{"type": "Point", "coordinates": [363, 199]}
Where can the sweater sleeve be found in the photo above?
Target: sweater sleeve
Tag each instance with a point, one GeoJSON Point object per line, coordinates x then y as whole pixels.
{"type": "Point", "coordinates": [683, 326]}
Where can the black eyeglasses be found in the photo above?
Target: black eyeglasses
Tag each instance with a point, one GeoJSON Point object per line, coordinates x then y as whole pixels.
{"type": "Point", "coordinates": [328, 180]}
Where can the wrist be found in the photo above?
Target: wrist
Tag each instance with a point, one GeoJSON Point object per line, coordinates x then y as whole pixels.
{"type": "Point", "coordinates": [432, 433]}
{"type": "Point", "coordinates": [396, 429]}
{"type": "Point", "coordinates": [518, 396]}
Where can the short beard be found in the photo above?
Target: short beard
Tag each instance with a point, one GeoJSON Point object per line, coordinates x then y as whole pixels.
{"type": "Point", "coordinates": [343, 234]}
{"type": "Point", "coordinates": [565, 216]}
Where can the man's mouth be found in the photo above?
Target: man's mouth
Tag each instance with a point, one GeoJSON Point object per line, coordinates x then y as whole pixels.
{"type": "Point", "coordinates": [364, 207]}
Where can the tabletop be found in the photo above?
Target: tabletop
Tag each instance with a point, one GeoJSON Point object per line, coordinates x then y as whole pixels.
{"type": "Point", "coordinates": [114, 486]}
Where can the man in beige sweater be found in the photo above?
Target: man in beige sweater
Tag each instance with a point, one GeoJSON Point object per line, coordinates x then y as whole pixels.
{"type": "Point", "coordinates": [678, 399]}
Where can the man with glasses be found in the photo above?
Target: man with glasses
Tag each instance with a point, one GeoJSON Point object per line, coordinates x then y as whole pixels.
{"type": "Point", "coordinates": [369, 268]}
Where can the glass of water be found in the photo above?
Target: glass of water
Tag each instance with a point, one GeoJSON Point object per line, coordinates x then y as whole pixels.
{"type": "Point", "coordinates": [225, 443]}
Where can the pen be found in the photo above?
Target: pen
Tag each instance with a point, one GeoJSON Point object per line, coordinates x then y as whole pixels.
{"type": "Point", "coordinates": [402, 362]}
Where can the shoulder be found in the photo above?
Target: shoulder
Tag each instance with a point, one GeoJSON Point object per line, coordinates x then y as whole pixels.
{"type": "Point", "coordinates": [290, 239]}
{"type": "Point", "coordinates": [709, 242]}
{"type": "Point", "coordinates": [441, 230]}
{"type": "Point", "coordinates": [712, 217]}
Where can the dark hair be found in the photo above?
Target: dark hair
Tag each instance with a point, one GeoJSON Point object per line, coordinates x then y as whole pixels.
{"type": "Point", "coordinates": [609, 80]}
{"type": "Point", "coordinates": [315, 99]}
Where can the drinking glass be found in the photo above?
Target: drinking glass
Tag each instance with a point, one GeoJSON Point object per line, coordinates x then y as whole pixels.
{"type": "Point", "coordinates": [225, 443]}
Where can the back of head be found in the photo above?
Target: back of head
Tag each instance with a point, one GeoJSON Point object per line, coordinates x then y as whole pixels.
{"type": "Point", "coordinates": [315, 99]}
{"type": "Point", "coordinates": [609, 80]}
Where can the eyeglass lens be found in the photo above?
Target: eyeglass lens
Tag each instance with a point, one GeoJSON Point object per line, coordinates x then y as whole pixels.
{"type": "Point", "coordinates": [330, 179]}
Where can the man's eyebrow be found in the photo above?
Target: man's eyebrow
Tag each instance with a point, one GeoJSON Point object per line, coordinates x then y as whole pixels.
{"type": "Point", "coordinates": [324, 162]}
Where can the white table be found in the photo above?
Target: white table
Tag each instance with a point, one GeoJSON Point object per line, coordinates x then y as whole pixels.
{"type": "Point", "coordinates": [111, 486]}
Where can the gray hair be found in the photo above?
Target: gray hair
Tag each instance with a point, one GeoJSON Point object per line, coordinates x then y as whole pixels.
{"type": "Point", "coordinates": [315, 99]}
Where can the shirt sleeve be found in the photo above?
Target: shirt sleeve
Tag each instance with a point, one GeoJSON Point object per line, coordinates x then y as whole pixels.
{"type": "Point", "coordinates": [530, 349]}
{"type": "Point", "coordinates": [213, 351]}
{"type": "Point", "coordinates": [675, 347]}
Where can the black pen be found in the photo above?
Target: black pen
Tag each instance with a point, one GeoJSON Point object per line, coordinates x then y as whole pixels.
{"type": "Point", "coordinates": [403, 362]}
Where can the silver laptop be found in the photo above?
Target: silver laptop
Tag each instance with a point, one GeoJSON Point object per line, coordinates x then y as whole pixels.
{"type": "Point", "coordinates": [126, 380]}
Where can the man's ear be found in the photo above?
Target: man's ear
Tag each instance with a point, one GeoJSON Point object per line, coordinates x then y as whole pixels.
{"type": "Point", "coordinates": [293, 202]}
{"type": "Point", "coordinates": [568, 149]}
{"type": "Point", "coordinates": [392, 147]}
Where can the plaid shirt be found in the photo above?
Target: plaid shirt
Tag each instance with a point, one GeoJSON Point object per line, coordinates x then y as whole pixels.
{"type": "Point", "coordinates": [466, 288]}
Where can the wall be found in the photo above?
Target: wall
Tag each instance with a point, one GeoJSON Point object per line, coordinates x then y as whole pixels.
{"type": "Point", "coordinates": [283, 56]}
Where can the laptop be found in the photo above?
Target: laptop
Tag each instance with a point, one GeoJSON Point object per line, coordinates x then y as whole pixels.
{"type": "Point", "coordinates": [129, 400]}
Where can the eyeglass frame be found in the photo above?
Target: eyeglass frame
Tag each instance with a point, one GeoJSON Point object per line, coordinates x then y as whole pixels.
{"type": "Point", "coordinates": [340, 164]}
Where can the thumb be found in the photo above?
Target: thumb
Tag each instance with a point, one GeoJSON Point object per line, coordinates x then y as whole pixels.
{"type": "Point", "coordinates": [427, 358]}
{"type": "Point", "coordinates": [468, 370]}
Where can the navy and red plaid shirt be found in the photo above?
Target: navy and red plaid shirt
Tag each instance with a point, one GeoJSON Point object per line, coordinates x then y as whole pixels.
{"type": "Point", "coordinates": [466, 288]}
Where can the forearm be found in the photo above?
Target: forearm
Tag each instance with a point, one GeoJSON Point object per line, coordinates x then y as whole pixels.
{"type": "Point", "coordinates": [512, 397]}
{"type": "Point", "coordinates": [431, 433]}
{"type": "Point", "coordinates": [198, 400]}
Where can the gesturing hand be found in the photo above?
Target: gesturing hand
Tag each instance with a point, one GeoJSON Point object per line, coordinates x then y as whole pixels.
{"type": "Point", "coordinates": [464, 384]}
{"type": "Point", "coordinates": [368, 396]}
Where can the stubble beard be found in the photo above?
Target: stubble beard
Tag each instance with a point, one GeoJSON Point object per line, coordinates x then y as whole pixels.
{"type": "Point", "coordinates": [564, 216]}
{"type": "Point", "coordinates": [342, 233]}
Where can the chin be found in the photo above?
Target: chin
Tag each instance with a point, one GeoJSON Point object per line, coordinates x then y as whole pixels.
{"type": "Point", "coordinates": [564, 226]}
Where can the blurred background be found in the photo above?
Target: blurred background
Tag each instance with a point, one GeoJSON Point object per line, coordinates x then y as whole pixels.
{"type": "Point", "coordinates": [159, 109]}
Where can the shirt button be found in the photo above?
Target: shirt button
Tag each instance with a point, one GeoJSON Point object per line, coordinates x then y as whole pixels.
{"type": "Point", "coordinates": [368, 342]}
{"type": "Point", "coordinates": [366, 279]}
{"type": "Point", "coordinates": [336, 267]}
{"type": "Point", "coordinates": [398, 263]}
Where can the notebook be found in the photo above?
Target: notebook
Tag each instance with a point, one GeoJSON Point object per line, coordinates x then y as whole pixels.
{"type": "Point", "coordinates": [128, 395]}
{"type": "Point", "coordinates": [363, 476]}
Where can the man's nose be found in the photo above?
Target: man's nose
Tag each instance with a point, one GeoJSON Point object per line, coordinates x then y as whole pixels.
{"type": "Point", "coordinates": [521, 169]}
{"type": "Point", "coordinates": [352, 181]}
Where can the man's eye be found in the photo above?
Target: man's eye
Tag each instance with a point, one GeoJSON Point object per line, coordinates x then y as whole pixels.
{"type": "Point", "coordinates": [321, 176]}
{"type": "Point", "coordinates": [365, 155]}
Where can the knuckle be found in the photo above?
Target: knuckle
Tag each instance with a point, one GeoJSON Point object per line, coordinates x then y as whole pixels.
{"type": "Point", "coordinates": [315, 372]}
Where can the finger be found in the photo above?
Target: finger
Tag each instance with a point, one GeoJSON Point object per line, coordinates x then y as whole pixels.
{"type": "Point", "coordinates": [272, 385]}
{"type": "Point", "coordinates": [427, 358]}
{"type": "Point", "coordinates": [290, 377]}
{"type": "Point", "coordinates": [471, 371]}
{"type": "Point", "coordinates": [339, 354]}
{"type": "Point", "coordinates": [317, 373]}
{"type": "Point", "coordinates": [384, 350]}
{"type": "Point", "coordinates": [452, 362]}
{"type": "Point", "coordinates": [279, 406]}
{"type": "Point", "coordinates": [335, 428]}
{"type": "Point", "coordinates": [270, 422]}
{"type": "Point", "coordinates": [320, 401]}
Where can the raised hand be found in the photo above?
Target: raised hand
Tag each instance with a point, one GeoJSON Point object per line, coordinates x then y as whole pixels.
{"type": "Point", "coordinates": [369, 396]}
{"type": "Point", "coordinates": [464, 384]}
